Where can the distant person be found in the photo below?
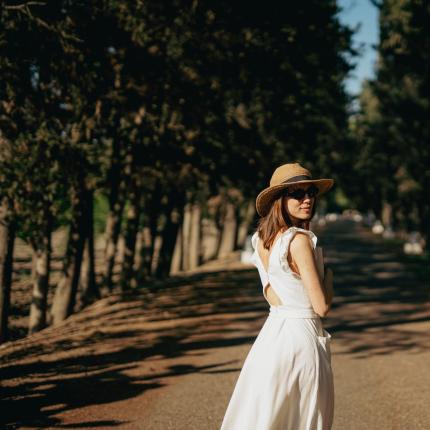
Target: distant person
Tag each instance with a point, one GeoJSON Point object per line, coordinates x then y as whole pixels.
{"type": "Point", "coordinates": [286, 382]}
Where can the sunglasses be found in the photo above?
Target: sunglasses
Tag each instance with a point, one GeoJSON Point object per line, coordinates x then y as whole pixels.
{"type": "Point", "coordinates": [300, 193]}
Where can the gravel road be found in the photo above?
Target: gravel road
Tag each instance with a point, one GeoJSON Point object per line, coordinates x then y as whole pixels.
{"type": "Point", "coordinates": [167, 357]}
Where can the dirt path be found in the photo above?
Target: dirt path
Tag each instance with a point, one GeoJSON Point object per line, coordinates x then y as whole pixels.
{"type": "Point", "coordinates": [168, 357]}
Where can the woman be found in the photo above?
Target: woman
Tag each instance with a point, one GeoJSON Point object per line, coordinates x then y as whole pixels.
{"type": "Point", "coordinates": [286, 381]}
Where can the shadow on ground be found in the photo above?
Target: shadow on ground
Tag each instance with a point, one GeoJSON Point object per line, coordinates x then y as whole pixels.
{"type": "Point", "coordinates": [381, 297]}
{"type": "Point", "coordinates": [112, 350]}
{"type": "Point", "coordinates": [96, 356]}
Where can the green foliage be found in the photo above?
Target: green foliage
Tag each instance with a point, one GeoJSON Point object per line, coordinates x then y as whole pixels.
{"type": "Point", "coordinates": [393, 130]}
{"type": "Point", "coordinates": [181, 98]}
{"type": "Point", "coordinates": [101, 209]}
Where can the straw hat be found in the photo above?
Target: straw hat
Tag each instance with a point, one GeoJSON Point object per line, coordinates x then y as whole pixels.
{"type": "Point", "coordinates": [283, 177]}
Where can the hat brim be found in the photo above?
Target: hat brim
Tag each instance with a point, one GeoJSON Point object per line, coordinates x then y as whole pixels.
{"type": "Point", "coordinates": [265, 198]}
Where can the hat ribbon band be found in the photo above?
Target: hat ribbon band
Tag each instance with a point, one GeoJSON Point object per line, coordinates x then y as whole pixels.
{"type": "Point", "coordinates": [297, 178]}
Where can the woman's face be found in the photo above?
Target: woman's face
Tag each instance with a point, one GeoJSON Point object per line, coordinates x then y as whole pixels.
{"type": "Point", "coordinates": [299, 210]}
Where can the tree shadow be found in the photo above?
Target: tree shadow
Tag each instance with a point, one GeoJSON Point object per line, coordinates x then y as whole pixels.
{"type": "Point", "coordinates": [379, 296]}
{"type": "Point", "coordinates": [96, 357]}
{"type": "Point", "coordinates": [128, 344]}
{"type": "Point", "coordinates": [53, 385]}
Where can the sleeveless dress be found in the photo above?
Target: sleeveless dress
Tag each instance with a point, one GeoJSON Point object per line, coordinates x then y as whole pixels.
{"type": "Point", "coordinates": [286, 382]}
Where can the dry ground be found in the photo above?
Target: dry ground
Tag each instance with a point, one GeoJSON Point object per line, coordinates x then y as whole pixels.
{"type": "Point", "coordinates": [167, 356]}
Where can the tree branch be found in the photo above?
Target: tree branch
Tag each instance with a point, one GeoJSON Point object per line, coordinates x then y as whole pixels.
{"type": "Point", "coordinates": [24, 8]}
{"type": "Point", "coordinates": [24, 5]}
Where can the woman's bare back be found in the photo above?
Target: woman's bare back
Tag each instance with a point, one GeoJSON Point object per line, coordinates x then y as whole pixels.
{"type": "Point", "coordinates": [265, 254]}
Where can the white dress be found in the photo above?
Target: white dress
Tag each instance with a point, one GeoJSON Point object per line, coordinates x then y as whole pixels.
{"type": "Point", "coordinates": [286, 382]}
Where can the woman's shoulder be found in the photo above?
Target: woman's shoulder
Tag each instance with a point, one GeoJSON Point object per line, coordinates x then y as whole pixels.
{"type": "Point", "coordinates": [299, 237]}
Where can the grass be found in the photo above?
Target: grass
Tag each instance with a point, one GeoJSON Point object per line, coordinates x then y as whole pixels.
{"type": "Point", "coordinates": [101, 209]}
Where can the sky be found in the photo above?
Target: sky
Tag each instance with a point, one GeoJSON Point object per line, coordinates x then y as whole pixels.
{"type": "Point", "coordinates": [363, 13]}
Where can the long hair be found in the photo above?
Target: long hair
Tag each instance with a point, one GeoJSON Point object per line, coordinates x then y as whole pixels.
{"type": "Point", "coordinates": [278, 219]}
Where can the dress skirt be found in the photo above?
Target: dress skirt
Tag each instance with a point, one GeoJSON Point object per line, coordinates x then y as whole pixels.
{"type": "Point", "coordinates": [286, 382]}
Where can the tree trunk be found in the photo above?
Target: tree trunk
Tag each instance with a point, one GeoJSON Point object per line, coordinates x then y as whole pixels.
{"type": "Point", "coordinates": [132, 227]}
{"type": "Point", "coordinates": [228, 235]}
{"type": "Point", "coordinates": [195, 237]}
{"type": "Point", "coordinates": [210, 230]}
{"type": "Point", "coordinates": [7, 239]}
{"type": "Point", "coordinates": [219, 225]}
{"type": "Point", "coordinates": [112, 232]}
{"type": "Point", "coordinates": [156, 254]}
{"type": "Point", "coordinates": [243, 230]}
{"type": "Point", "coordinates": [424, 225]}
{"type": "Point", "coordinates": [118, 186]}
{"type": "Point", "coordinates": [173, 211]}
{"type": "Point", "coordinates": [65, 292]}
{"type": "Point", "coordinates": [186, 229]}
{"type": "Point", "coordinates": [138, 258]}
{"type": "Point", "coordinates": [386, 214]}
{"type": "Point", "coordinates": [143, 262]}
{"type": "Point", "coordinates": [148, 231]}
{"type": "Point", "coordinates": [89, 287]}
{"type": "Point", "coordinates": [153, 211]}
{"type": "Point", "coordinates": [169, 238]}
{"type": "Point", "coordinates": [176, 263]}
{"type": "Point", "coordinates": [42, 268]}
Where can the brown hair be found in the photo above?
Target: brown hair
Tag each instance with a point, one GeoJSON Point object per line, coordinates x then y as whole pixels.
{"type": "Point", "coordinates": [278, 219]}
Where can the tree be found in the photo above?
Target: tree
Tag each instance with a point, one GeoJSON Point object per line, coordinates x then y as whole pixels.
{"type": "Point", "coordinates": [7, 239]}
{"type": "Point", "coordinates": [395, 135]}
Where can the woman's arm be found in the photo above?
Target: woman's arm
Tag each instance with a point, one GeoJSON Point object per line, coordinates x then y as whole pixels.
{"type": "Point", "coordinates": [303, 256]}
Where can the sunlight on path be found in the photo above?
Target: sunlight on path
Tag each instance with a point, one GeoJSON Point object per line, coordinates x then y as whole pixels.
{"type": "Point", "coordinates": [168, 357]}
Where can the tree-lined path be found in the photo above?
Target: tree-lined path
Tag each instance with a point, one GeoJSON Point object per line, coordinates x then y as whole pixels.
{"type": "Point", "coordinates": [167, 356]}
